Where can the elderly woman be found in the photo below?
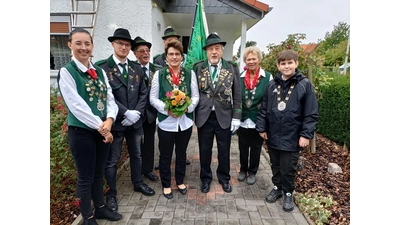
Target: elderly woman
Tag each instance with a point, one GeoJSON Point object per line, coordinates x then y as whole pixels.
{"type": "Point", "coordinates": [254, 81]}
{"type": "Point", "coordinates": [173, 130]}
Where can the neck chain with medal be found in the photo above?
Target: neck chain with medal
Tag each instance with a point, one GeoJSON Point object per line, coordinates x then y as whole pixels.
{"type": "Point", "coordinates": [174, 80]}
{"type": "Point", "coordinates": [251, 87]}
{"type": "Point", "coordinates": [282, 104]}
{"type": "Point", "coordinates": [96, 87]}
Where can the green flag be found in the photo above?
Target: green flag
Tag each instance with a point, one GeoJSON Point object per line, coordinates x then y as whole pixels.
{"type": "Point", "coordinates": [198, 37]}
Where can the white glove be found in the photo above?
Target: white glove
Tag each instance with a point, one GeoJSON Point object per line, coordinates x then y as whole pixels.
{"type": "Point", "coordinates": [126, 122]}
{"type": "Point", "coordinates": [235, 125]}
{"type": "Point", "coordinates": [131, 117]}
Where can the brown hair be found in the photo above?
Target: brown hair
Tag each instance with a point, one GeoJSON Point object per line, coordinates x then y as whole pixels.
{"type": "Point", "coordinates": [174, 44]}
{"type": "Point", "coordinates": [288, 55]}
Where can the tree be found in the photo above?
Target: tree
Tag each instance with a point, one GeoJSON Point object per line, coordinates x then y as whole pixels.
{"type": "Point", "coordinates": [333, 47]}
{"type": "Point", "coordinates": [307, 60]}
{"type": "Point", "coordinates": [248, 44]}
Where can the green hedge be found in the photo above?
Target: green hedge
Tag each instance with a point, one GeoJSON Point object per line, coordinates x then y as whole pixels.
{"type": "Point", "coordinates": [334, 110]}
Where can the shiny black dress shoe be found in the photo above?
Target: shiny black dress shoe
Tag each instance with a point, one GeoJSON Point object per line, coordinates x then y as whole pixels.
{"type": "Point", "coordinates": [151, 176]}
{"type": "Point", "coordinates": [146, 190]}
{"type": "Point", "coordinates": [227, 187]}
{"type": "Point", "coordinates": [187, 162]}
{"type": "Point", "coordinates": [91, 221]}
{"type": "Point", "coordinates": [183, 191]}
{"type": "Point", "coordinates": [105, 213]}
{"type": "Point", "coordinates": [205, 187]}
{"type": "Point", "coordinates": [111, 203]}
{"type": "Point", "coordinates": [169, 195]}
{"type": "Point", "coordinates": [157, 167]}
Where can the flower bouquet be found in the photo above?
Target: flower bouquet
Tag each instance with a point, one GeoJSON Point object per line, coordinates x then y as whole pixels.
{"type": "Point", "coordinates": [177, 102]}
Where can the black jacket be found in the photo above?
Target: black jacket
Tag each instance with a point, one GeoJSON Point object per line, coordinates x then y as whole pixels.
{"type": "Point", "coordinates": [128, 96]}
{"type": "Point", "coordinates": [299, 118]}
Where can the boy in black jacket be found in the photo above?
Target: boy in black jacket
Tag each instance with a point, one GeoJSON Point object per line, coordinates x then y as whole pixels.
{"type": "Point", "coordinates": [287, 121]}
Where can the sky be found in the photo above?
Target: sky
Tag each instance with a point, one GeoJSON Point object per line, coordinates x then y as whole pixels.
{"type": "Point", "coordinates": [311, 17]}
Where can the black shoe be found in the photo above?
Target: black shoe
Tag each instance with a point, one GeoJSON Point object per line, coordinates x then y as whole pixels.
{"type": "Point", "coordinates": [111, 203]}
{"type": "Point", "coordinates": [169, 195]}
{"type": "Point", "coordinates": [227, 187]}
{"type": "Point", "coordinates": [274, 195]}
{"type": "Point", "coordinates": [146, 190]}
{"type": "Point", "coordinates": [157, 167]}
{"type": "Point", "coordinates": [183, 191]}
{"type": "Point", "coordinates": [105, 213]}
{"type": "Point", "coordinates": [151, 176]}
{"type": "Point", "coordinates": [205, 187]}
{"type": "Point", "coordinates": [288, 203]}
{"type": "Point", "coordinates": [91, 221]}
{"type": "Point", "coordinates": [187, 162]}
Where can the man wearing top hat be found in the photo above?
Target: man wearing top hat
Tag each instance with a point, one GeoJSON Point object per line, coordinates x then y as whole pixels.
{"type": "Point", "coordinates": [218, 112]}
{"type": "Point", "coordinates": [161, 59]}
{"type": "Point", "coordinates": [130, 92]}
{"type": "Point", "coordinates": [141, 49]}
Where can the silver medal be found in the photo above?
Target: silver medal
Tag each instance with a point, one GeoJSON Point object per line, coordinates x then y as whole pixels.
{"type": "Point", "coordinates": [281, 106]}
{"type": "Point", "coordinates": [100, 105]}
{"type": "Point", "coordinates": [249, 103]}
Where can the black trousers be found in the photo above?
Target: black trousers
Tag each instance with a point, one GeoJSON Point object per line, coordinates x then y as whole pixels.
{"type": "Point", "coordinates": [206, 135]}
{"type": "Point", "coordinates": [90, 155]}
{"type": "Point", "coordinates": [250, 143]}
{"type": "Point", "coordinates": [147, 146]}
{"type": "Point", "coordinates": [284, 166]}
{"type": "Point", "coordinates": [180, 140]}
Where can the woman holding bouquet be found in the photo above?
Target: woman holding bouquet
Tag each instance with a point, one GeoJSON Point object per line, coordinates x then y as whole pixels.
{"type": "Point", "coordinates": [175, 94]}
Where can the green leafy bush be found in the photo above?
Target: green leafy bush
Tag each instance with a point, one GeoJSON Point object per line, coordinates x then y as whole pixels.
{"type": "Point", "coordinates": [63, 175]}
{"type": "Point", "coordinates": [334, 109]}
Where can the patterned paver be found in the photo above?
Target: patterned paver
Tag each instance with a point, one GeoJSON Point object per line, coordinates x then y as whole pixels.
{"type": "Point", "coordinates": [244, 205]}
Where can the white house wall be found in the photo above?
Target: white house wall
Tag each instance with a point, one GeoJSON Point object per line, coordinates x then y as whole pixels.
{"type": "Point", "coordinates": [134, 16]}
{"type": "Point", "coordinates": [140, 17]}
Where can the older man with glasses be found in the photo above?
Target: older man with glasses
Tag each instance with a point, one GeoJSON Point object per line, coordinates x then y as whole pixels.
{"type": "Point", "coordinates": [127, 81]}
{"type": "Point", "coordinates": [141, 49]}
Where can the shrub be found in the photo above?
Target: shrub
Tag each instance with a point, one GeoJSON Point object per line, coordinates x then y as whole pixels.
{"type": "Point", "coordinates": [334, 110]}
{"type": "Point", "coordinates": [63, 175]}
{"type": "Point", "coordinates": [315, 205]}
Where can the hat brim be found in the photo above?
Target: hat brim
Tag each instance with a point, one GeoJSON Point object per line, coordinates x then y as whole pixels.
{"type": "Point", "coordinates": [113, 38]}
{"type": "Point", "coordinates": [223, 43]}
{"type": "Point", "coordinates": [148, 44]}
{"type": "Point", "coordinates": [165, 37]}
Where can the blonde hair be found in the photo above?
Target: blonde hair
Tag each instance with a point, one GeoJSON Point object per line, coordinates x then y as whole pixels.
{"type": "Point", "coordinates": [252, 49]}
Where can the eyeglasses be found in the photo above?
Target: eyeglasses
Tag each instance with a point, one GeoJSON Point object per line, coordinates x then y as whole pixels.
{"type": "Point", "coordinates": [142, 51]}
{"type": "Point", "coordinates": [170, 54]}
{"type": "Point", "coordinates": [122, 44]}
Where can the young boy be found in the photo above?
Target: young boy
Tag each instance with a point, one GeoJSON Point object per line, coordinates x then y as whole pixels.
{"type": "Point", "coordinates": [287, 120]}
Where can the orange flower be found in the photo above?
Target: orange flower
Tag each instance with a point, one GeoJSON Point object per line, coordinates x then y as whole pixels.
{"type": "Point", "coordinates": [174, 102]}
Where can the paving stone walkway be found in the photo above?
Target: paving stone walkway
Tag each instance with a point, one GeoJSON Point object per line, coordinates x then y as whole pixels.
{"type": "Point", "coordinates": [245, 205]}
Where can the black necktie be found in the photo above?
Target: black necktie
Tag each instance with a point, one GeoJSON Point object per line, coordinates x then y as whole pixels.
{"type": "Point", "coordinates": [146, 79]}
{"type": "Point", "coordinates": [124, 72]}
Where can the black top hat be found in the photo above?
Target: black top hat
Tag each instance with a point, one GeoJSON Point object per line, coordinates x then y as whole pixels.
{"type": "Point", "coordinates": [170, 32]}
{"type": "Point", "coordinates": [121, 33]}
{"type": "Point", "coordinates": [213, 38]}
{"type": "Point", "coordinates": [140, 41]}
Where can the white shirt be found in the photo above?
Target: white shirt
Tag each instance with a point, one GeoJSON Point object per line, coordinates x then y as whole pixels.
{"type": "Point", "coordinates": [121, 69]}
{"type": "Point", "coordinates": [172, 124]}
{"type": "Point", "coordinates": [77, 105]}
